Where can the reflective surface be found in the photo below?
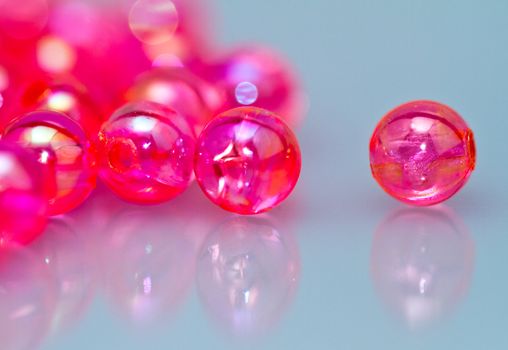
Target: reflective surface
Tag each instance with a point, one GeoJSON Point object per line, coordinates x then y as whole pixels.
{"type": "Point", "coordinates": [358, 60]}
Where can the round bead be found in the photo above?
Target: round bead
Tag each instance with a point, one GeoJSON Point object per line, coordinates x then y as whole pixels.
{"type": "Point", "coordinates": [66, 96]}
{"type": "Point", "coordinates": [257, 76]}
{"type": "Point", "coordinates": [422, 153]}
{"type": "Point", "coordinates": [179, 89]}
{"type": "Point", "coordinates": [146, 153]}
{"type": "Point", "coordinates": [248, 161]}
{"type": "Point", "coordinates": [61, 146]}
{"type": "Point", "coordinates": [23, 202]}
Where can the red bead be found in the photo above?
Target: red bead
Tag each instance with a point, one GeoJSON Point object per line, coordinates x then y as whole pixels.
{"type": "Point", "coordinates": [248, 161]}
{"type": "Point", "coordinates": [179, 89]}
{"type": "Point", "coordinates": [422, 153]}
{"type": "Point", "coordinates": [67, 156]}
{"type": "Point", "coordinates": [23, 201]}
{"type": "Point", "coordinates": [63, 95]}
{"type": "Point", "coordinates": [259, 77]}
{"type": "Point", "coordinates": [146, 153]}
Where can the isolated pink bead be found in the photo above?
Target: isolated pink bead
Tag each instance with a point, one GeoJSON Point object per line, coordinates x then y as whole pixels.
{"type": "Point", "coordinates": [146, 153]}
{"type": "Point", "coordinates": [248, 161]}
{"type": "Point", "coordinates": [65, 152]}
{"type": "Point", "coordinates": [422, 153]}
{"type": "Point", "coordinates": [23, 202]}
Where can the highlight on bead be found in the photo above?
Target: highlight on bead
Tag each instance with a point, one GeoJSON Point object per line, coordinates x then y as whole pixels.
{"type": "Point", "coordinates": [422, 153]}
{"type": "Point", "coordinates": [247, 160]}
{"type": "Point", "coordinates": [146, 153]}
{"type": "Point", "coordinates": [65, 153]}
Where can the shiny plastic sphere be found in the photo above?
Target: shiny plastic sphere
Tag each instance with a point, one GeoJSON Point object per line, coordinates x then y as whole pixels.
{"type": "Point", "coordinates": [422, 153]}
{"type": "Point", "coordinates": [146, 153]}
{"type": "Point", "coordinates": [247, 161]}
{"type": "Point", "coordinates": [63, 149]}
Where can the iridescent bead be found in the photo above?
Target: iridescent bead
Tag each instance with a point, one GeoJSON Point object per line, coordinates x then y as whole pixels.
{"type": "Point", "coordinates": [68, 158]}
{"type": "Point", "coordinates": [23, 201]}
{"type": "Point", "coordinates": [422, 153]}
{"type": "Point", "coordinates": [179, 89]}
{"type": "Point", "coordinates": [248, 161]}
{"type": "Point", "coordinates": [257, 76]}
{"type": "Point", "coordinates": [146, 153]}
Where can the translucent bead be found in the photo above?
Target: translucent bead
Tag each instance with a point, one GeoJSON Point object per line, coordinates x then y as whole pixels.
{"type": "Point", "coordinates": [23, 201]}
{"type": "Point", "coordinates": [248, 161]}
{"type": "Point", "coordinates": [146, 153]}
{"type": "Point", "coordinates": [179, 89]}
{"type": "Point", "coordinates": [63, 149]}
{"type": "Point", "coordinates": [66, 96]}
{"type": "Point", "coordinates": [422, 153]}
{"type": "Point", "coordinates": [257, 76]}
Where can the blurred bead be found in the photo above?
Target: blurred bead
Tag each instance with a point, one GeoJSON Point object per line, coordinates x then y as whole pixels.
{"type": "Point", "coordinates": [248, 161]}
{"type": "Point", "coordinates": [23, 21]}
{"type": "Point", "coordinates": [146, 153]}
{"type": "Point", "coordinates": [23, 201]}
{"type": "Point", "coordinates": [179, 89]}
{"type": "Point", "coordinates": [67, 156]}
{"type": "Point", "coordinates": [64, 95]}
{"type": "Point", "coordinates": [259, 77]}
{"type": "Point", "coordinates": [422, 153]}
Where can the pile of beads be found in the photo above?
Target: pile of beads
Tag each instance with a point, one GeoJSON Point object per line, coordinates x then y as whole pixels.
{"type": "Point", "coordinates": [132, 92]}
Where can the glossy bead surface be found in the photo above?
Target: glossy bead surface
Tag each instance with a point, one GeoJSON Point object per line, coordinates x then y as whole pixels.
{"type": "Point", "coordinates": [23, 202]}
{"type": "Point", "coordinates": [63, 149]}
{"type": "Point", "coordinates": [146, 153]}
{"type": "Point", "coordinates": [422, 153]}
{"type": "Point", "coordinates": [247, 161]}
{"type": "Point", "coordinates": [66, 96]}
{"type": "Point", "coordinates": [260, 77]}
{"type": "Point", "coordinates": [178, 89]}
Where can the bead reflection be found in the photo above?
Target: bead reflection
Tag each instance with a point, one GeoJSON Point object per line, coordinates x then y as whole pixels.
{"type": "Point", "coordinates": [247, 275]}
{"type": "Point", "coordinates": [149, 262]}
{"type": "Point", "coordinates": [63, 251]}
{"type": "Point", "coordinates": [422, 263]}
{"type": "Point", "coordinates": [26, 299]}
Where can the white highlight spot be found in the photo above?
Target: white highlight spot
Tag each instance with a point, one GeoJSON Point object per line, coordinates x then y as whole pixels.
{"type": "Point", "coordinates": [143, 124]}
{"type": "Point", "coordinates": [246, 93]}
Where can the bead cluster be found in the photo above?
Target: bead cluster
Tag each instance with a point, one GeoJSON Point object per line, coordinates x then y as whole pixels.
{"type": "Point", "coordinates": [177, 112]}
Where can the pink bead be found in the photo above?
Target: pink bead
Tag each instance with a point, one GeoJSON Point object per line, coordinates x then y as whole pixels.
{"type": "Point", "coordinates": [146, 153]}
{"type": "Point", "coordinates": [23, 201]}
{"type": "Point", "coordinates": [67, 156]}
{"type": "Point", "coordinates": [257, 76]}
{"type": "Point", "coordinates": [179, 89]}
{"type": "Point", "coordinates": [422, 153]}
{"type": "Point", "coordinates": [248, 161]}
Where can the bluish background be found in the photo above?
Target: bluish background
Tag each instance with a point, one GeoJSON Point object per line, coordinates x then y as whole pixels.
{"type": "Point", "coordinates": [371, 275]}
